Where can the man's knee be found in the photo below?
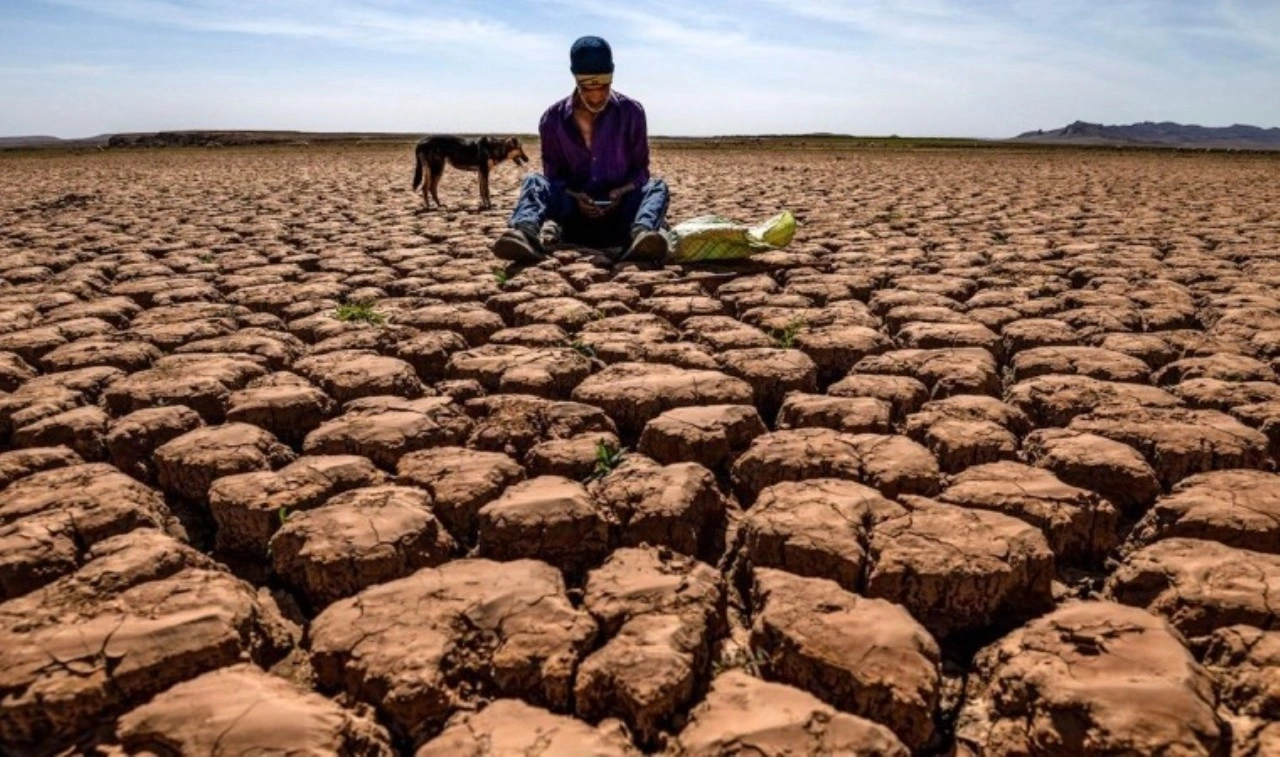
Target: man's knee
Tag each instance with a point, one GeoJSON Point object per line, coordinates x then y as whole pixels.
{"type": "Point", "coordinates": [656, 185]}
{"type": "Point", "coordinates": [535, 182]}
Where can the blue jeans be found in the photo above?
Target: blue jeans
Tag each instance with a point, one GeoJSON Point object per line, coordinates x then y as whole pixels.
{"type": "Point", "coordinates": [539, 201]}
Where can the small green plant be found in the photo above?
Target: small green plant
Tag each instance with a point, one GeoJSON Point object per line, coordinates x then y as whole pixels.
{"type": "Point", "coordinates": [206, 258]}
{"type": "Point", "coordinates": [999, 237]}
{"type": "Point", "coordinates": [360, 311]}
{"type": "Point", "coordinates": [582, 348]}
{"type": "Point", "coordinates": [282, 514]}
{"type": "Point", "coordinates": [501, 275]}
{"type": "Point", "coordinates": [786, 337]}
{"type": "Point", "coordinates": [608, 457]}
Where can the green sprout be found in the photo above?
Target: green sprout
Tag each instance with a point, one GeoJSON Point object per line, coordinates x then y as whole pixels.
{"type": "Point", "coordinates": [608, 457]}
{"type": "Point", "coordinates": [786, 337]}
{"type": "Point", "coordinates": [360, 311]}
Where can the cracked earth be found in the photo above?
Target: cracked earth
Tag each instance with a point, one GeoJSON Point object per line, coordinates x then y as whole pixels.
{"type": "Point", "coordinates": [983, 464]}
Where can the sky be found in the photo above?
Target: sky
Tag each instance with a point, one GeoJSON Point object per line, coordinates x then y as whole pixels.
{"type": "Point", "coordinates": [972, 68]}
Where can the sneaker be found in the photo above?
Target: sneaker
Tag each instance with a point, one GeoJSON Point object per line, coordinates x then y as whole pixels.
{"type": "Point", "coordinates": [518, 246]}
{"type": "Point", "coordinates": [646, 247]}
{"type": "Point", "coordinates": [550, 235]}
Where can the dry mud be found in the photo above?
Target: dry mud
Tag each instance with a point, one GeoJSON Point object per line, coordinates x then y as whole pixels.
{"type": "Point", "coordinates": [984, 464]}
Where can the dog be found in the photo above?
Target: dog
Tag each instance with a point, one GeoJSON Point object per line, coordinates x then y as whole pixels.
{"type": "Point", "coordinates": [480, 155]}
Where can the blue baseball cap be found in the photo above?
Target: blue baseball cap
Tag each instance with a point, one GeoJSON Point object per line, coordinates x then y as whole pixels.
{"type": "Point", "coordinates": [590, 55]}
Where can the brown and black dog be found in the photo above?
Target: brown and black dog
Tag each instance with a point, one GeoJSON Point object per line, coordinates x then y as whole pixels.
{"type": "Point", "coordinates": [480, 156]}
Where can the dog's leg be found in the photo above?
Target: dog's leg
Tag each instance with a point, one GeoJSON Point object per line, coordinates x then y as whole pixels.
{"type": "Point", "coordinates": [435, 187]}
{"type": "Point", "coordinates": [437, 170]}
{"type": "Point", "coordinates": [485, 202]}
{"type": "Point", "coordinates": [427, 182]}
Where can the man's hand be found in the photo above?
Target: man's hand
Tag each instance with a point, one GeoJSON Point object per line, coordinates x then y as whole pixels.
{"type": "Point", "coordinates": [616, 195]}
{"type": "Point", "coordinates": [586, 206]}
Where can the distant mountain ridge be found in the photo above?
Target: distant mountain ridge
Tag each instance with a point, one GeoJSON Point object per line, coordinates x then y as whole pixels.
{"type": "Point", "coordinates": [202, 138]}
{"type": "Point", "coordinates": [43, 141]}
{"type": "Point", "coordinates": [1163, 134]}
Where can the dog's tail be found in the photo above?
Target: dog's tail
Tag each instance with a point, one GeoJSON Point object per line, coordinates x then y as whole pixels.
{"type": "Point", "coordinates": [417, 170]}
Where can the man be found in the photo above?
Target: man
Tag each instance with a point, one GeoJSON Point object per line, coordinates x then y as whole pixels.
{"type": "Point", "coordinates": [595, 185]}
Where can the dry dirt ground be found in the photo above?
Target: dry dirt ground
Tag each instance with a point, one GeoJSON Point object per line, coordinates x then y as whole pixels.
{"type": "Point", "coordinates": [983, 464]}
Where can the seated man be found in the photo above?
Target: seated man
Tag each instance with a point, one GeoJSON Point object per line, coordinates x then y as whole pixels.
{"type": "Point", "coordinates": [595, 183]}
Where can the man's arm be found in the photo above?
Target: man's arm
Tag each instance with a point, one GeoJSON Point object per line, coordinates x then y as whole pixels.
{"type": "Point", "coordinates": [554, 164]}
{"type": "Point", "coordinates": [638, 162]}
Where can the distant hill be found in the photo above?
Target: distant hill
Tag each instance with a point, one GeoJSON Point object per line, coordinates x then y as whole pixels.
{"type": "Point", "coordinates": [205, 138]}
{"type": "Point", "coordinates": [200, 138]}
{"type": "Point", "coordinates": [1164, 134]}
{"type": "Point", "coordinates": [28, 142]}
{"type": "Point", "coordinates": [42, 141]}
{"type": "Point", "coordinates": [222, 138]}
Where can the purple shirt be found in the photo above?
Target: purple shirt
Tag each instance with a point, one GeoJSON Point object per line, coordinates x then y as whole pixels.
{"type": "Point", "coordinates": [619, 151]}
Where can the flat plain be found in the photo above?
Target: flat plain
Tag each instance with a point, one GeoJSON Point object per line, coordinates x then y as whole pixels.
{"type": "Point", "coordinates": [983, 463]}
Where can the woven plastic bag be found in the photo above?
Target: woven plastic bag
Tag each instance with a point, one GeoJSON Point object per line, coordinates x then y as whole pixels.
{"type": "Point", "coordinates": [712, 238]}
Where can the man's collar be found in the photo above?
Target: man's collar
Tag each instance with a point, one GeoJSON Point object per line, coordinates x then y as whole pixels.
{"type": "Point", "coordinates": [573, 96]}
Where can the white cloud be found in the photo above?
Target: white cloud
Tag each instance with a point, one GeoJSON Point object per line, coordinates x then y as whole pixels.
{"type": "Point", "coordinates": [360, 22]}
{"type": "Point", "coordinates": [80, 69]}
{"type": "Point", "coordinates": [1257, 21]}
{"type": "Point", "coordinates": [64, 70]}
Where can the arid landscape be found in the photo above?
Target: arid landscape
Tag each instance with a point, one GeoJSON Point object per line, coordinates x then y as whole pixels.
{"type": "Point", "coordinates": [984, 463]}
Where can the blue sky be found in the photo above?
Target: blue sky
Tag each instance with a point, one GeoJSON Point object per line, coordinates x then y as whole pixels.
{"type": "Point", "coordinates": [986, 68]}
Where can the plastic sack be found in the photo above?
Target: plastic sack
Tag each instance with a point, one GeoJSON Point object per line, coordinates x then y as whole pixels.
{"type": "Point", "coordinates": [712, 238]}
